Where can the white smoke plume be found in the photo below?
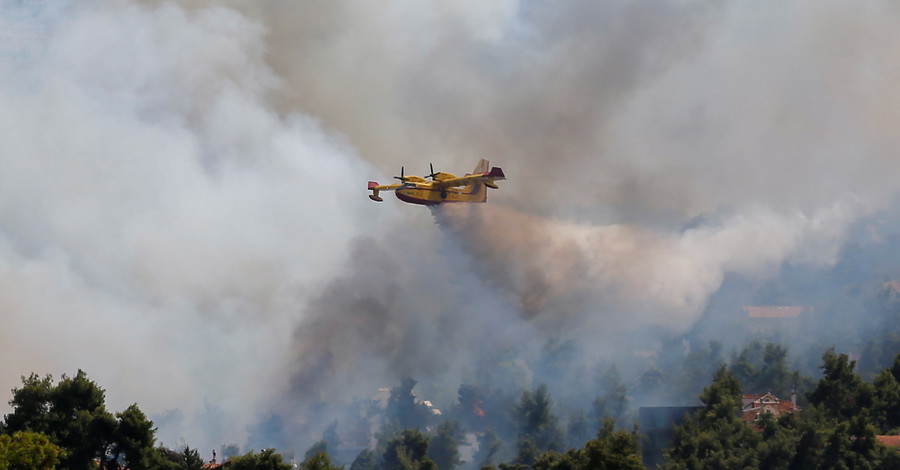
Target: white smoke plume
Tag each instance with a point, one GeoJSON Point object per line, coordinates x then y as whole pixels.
{"type": "Point", "coordinates": [161, 224]}
{"type": "Point", "coordinates": [182, 211]}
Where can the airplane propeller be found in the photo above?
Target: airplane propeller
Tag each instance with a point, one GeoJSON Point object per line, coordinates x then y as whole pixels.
{"type": "Point", "coordinates": [433, 174]}
{"type": "Point", "coordinates": [401, 177]}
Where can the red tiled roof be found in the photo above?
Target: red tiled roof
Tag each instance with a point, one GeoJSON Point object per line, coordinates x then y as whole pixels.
{"type": "Point", "coordinates": [791, 311]}
{"type": "Point", "coordinates": [890, 441]}
{"type": "Point", "coordinates": [754, 404]}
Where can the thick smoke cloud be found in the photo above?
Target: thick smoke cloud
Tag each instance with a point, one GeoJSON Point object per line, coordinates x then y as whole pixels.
{"type": "Point", "coordinates": [183, 215]}
{"type": "Point", "coordinates": [161, 223]}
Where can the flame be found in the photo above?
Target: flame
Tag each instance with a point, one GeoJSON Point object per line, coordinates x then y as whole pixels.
{"type": "Point", "coordinates": [477, 409]}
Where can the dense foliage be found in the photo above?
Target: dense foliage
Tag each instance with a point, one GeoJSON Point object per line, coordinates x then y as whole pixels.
{"type": "Point", "coordinates": [837, 430]}
{"type": "Point", "coordinates": [66, 424]}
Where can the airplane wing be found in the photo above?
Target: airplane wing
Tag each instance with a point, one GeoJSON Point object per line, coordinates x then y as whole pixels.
{"type": "Point", "coordinates": [487, 178]}
{"type": "Point", "coordinates": [375, 188]}
{"type": "Point", "coordinates": [373, 185]}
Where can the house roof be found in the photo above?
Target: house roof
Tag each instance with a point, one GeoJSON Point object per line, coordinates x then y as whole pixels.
{"type": "Point", "coordinates": [777, 311]}
{"type": "Point", "coordinates": [890, 441]}
{"type": "Point", "coordinates": [754, 404]}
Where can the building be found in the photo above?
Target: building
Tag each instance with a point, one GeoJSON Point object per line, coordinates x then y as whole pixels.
{"type": "Point", "coordinates": [756, 404]}
{"type": "Point", "coordinates": [890, 441]}
{"type": "Point", "coordinates": [770, 320]}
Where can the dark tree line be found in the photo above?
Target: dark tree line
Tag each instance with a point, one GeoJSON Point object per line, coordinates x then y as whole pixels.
{"type": "Point", "coordinates": [66, 425]}
{"type": "Point", "coordinates": [837, 429]}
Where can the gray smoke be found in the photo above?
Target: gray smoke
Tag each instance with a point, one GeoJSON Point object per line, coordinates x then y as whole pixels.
{"type": "Point", "coordinates": [161, 224]}
{"type": "Point", "coordinates": [182, 211]}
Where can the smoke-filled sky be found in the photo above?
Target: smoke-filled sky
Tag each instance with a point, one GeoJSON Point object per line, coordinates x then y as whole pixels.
{"type": "Point", "coordinates": [183, 212]}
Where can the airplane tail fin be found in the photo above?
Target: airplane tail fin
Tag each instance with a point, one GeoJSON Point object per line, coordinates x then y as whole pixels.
{"type": "Point", "coordinates": [482, 167]}
{"type": "Point", "coordinates": [478, 191]}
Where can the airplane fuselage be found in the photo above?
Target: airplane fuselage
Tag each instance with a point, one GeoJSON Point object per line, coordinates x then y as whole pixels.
{"type": "Point", "coordinates": [425, 195]}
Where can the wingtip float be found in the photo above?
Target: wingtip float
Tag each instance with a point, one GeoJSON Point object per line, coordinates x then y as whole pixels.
{"type": "Point", "coordinates": [440, 187]}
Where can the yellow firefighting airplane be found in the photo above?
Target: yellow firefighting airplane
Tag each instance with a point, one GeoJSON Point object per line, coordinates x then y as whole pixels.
{"type": "Point", "coordinates": [443, 187]}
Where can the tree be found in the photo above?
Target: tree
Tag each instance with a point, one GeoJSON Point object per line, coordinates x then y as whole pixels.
{"type": "Point", "coordinates": [538, 429]}
{"type": "Point", "coordinates": [31, 405]}
{"type": "Point", "coordinates": [320, 447]}
{"type": "Point", "coordinates": [852, 444]}
{"type": "Point", "coordinates": [613, 402]}
{"type": "Point", "coordinates": [24, 450]}
{"type": "Point", "coordinates": [72, 414]}
{"type": "Point", "coordinates": [319, 461]}
{"type": "Point", "coordinates": [840, 392]}
{"type": "Point", "coordinates": [190, 459]}
{"type": "Point", "coordinates": [488, 446]}
{"type": "Point", "coordinates": [365, 460]}
{"type": "Point", "coordinates": [403, 412]}
{"type": "Point", "coordinates": [715, 437]}
{"type": "Point", "coordinates": [778, 442]}
{"type": "Point", "coordinates": [444, 446]}
{"type": "Point", "coordinates": [578, 430]}
{"type": "Point", "coordinates": [267, 459]}
{"type": "Point", "coordinates": [886, 399]}
{"type": "Point", "coordinates": [134, 438]}
{"type": "Point", "coordinates": [763, 367]}
{"type": "Point", "coordinates": [610, 450]}
{"type": "Point", "coordinates": [407, 450]}
{"type": "Point", "coordinates": [469, 408]}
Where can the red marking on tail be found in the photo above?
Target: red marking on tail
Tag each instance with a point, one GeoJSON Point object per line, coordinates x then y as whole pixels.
{"type": "Point", "coordinates": [373, 184]}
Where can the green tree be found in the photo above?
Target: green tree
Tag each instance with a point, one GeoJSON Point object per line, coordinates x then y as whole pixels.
{"type": "Point", "coordinates": [443, 448]}
{"type": "Point", "coordinates": [24, 450]}
{"type": "Point", "coordinates": [537, 425]}
{"type": "Point", "coordinates": [886, 402]}
{"type": "Point", "coordinates": [407, 450]}
{"type": "Point", "coordinates": [365, 460]}
{"type": "Point", "coordinates": [852, 445]}
{"type": "Point", "coordinates": [403, 411]}
{"type": "Point", "coordinates": [72, 414]}
{"type": "Point", "coordinates": [610, 450]}
{"type": "Point", "coordinates": [840, 392]}
{"type": "Point", "coordinates": [319, 461]}
{"type": "Point", "coordinates": [189, 459]}
{"type": "Point", "coordinates": [134, 438]}
{"type": "Point", "coordinates": [267, 459]}
{"type": "Point", "coordinates": [31, 405]}
{"type": "Point", "coordinates": [715, 437]}
{"type": "Point", "coordinates": [764, 368]}
{"type": "Point", "coordinates": [777, 444]}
